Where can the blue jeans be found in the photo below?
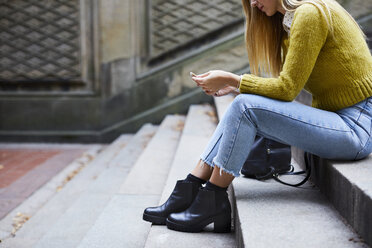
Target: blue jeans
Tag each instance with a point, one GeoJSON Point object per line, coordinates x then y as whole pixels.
{"type": "Point", "coordinates": [344, 134]}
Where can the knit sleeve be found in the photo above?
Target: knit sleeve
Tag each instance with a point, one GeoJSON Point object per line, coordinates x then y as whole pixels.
{"type": "Point", "coordinates": [308, 34]}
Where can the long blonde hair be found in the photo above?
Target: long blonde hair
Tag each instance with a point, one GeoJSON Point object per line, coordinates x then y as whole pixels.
{"type": "Point", "coordinates": [264, 34]}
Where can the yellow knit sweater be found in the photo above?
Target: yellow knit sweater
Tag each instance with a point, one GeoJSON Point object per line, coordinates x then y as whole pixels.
{"type": "Point", "coordinates": [336, 70]}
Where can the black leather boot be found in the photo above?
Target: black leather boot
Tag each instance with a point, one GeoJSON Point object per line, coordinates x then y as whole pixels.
{"type": "Point", "coordinates": [209, 206]}
{"type": "Point", "coordinates": [181, 198]}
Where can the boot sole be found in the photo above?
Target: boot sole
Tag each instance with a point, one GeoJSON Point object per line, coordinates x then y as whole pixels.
{"type": "Point", "coordinates": [154, 219]}
{"type": "Point", "coordinates": [226, 228]}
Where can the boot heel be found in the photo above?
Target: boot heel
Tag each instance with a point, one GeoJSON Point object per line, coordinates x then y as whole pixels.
{"type": "Point", "coordinates": [222, 224]}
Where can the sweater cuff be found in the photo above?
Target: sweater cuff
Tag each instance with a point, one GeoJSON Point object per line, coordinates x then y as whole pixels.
{"type": "Point", "coordinates": [240, 82]}
{"type": "Point", "coordinates": [247, 83]}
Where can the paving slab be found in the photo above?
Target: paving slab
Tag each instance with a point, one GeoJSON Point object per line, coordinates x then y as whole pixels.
{"type": "Point", "coordinates": [200, 125]}
{"type": "Point", "coordinates": [15, 163]}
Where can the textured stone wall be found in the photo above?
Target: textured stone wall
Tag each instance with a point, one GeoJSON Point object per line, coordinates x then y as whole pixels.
{"type": "Point", "coordinates": [128, 70]}
{"type": "Point", "coordinates": [178, 22]}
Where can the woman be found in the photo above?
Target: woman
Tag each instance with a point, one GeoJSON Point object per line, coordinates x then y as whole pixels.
{"type": "Point", "coordinates": [312, 44]}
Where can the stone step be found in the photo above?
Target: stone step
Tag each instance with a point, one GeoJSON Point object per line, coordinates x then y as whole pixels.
{"type": "Point", "coordinates": [67, 193]}
{"type": "Point", "coordinates": [200, 124]}
{"type": "Point", "coordinates": [268, 214]}
{"type": "Point", "coordinates": [347, 184]}
{"type": "Point", "coordinates": [80, 217]}
{"type": "Point", "coordinates": [121, 224]}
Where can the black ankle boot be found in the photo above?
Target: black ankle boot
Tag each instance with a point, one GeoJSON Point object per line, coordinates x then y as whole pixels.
{"type": "Point", "coordinates": [208, 206]}
{"type": "Point", "coordinates": [181, 198]}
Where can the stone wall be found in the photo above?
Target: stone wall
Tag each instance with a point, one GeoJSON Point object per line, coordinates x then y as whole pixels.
{"type": "Point", "coordinates": [108, 81]}
{"type": "Point", "coordinates": [122, 78]}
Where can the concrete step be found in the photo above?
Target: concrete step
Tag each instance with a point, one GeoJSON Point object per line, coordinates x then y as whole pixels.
{"type": "Point", "coordinates": [270, 214]}
{"type": "Point", "coordinates": [347, 184]}
{"type": "Point", "coordinates": [200, 124]}
{"type": "Point", "coordinates": [82, 214]}
{"type": "Point", "coordinates": [67, 193]}
{"type": "Point", "coordinates": [121, 224]}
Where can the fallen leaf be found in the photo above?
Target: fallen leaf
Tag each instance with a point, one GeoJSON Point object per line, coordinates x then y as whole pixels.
{"type": "Point", "coordinates": [70, 176]}
{"type": "Point", "coordinates": [211, 113]}
{"type": "Point", "coordinates": [18, 222]}
{"type": "Point", "coordinates": [179, 126]}
{"type": "Point", "coordinates": [1, 166]}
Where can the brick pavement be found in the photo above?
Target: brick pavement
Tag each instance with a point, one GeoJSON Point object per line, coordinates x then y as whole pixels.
{"type": "Point", "coordinates": [16, 163]}
{"type": "Point", "coordinates": [25, 168]}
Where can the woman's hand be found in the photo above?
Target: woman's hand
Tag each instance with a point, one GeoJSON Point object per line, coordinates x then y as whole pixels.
{"type": "Point", "coordinates": [213, 81]}
{"type": "Point", "coordinates": [227, 90]}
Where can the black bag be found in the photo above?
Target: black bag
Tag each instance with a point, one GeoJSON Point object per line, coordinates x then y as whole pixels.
{"type": "Point", "coordinates": [269, 159]}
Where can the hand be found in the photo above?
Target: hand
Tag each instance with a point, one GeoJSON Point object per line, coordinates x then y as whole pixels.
{"type": "Point", "coordinates": [214, 80]}
{"type": "Point", "coordinates": [227, 90]}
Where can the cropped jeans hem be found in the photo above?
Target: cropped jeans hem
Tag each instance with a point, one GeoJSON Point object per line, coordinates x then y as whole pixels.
{"type": "Point", "coordinates": [220, 167]}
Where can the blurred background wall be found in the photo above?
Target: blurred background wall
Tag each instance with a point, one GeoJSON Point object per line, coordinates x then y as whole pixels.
{"type": "Point", "coordinates": [89, 70]}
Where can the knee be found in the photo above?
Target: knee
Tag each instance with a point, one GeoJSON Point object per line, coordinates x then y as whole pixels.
{"type": "Point", "coordinates": [242, 105]}
{"type": "Point", "coordinates": [239, 101]}
{"type": "Point", "coordinates": [247, 101]}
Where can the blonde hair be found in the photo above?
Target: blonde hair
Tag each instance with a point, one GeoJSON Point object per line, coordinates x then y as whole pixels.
{"type": "Point", "coordinates": [264, 34]}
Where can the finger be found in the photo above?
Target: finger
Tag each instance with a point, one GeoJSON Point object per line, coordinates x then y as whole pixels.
{"type": "Point", "coordinates": [203, 75]}
{"type": "Point", "coordinates": [197, 80]}
{"type": "Point", "coordinates": [221, 93]}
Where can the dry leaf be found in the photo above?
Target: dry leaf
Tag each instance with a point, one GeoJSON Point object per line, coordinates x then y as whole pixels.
{"type": "Point", "coordinates": [150, 135]}
{"type": "Point", "coordinates": [18, 222]}
{"type": "Point", "coordinates": [211, 113]}
{"type": "Point", "coordinates": [88, 156]}
{"type": "Point", "coordinates": [71, 176]}
{"type": "Point", "coordinates": [1, 166]}
{"type": "Point", "coordinates": [179, 127]}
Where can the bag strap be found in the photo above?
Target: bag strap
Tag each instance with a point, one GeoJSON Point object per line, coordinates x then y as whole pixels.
{"type": "Point", "coordinates": [307, 171]}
